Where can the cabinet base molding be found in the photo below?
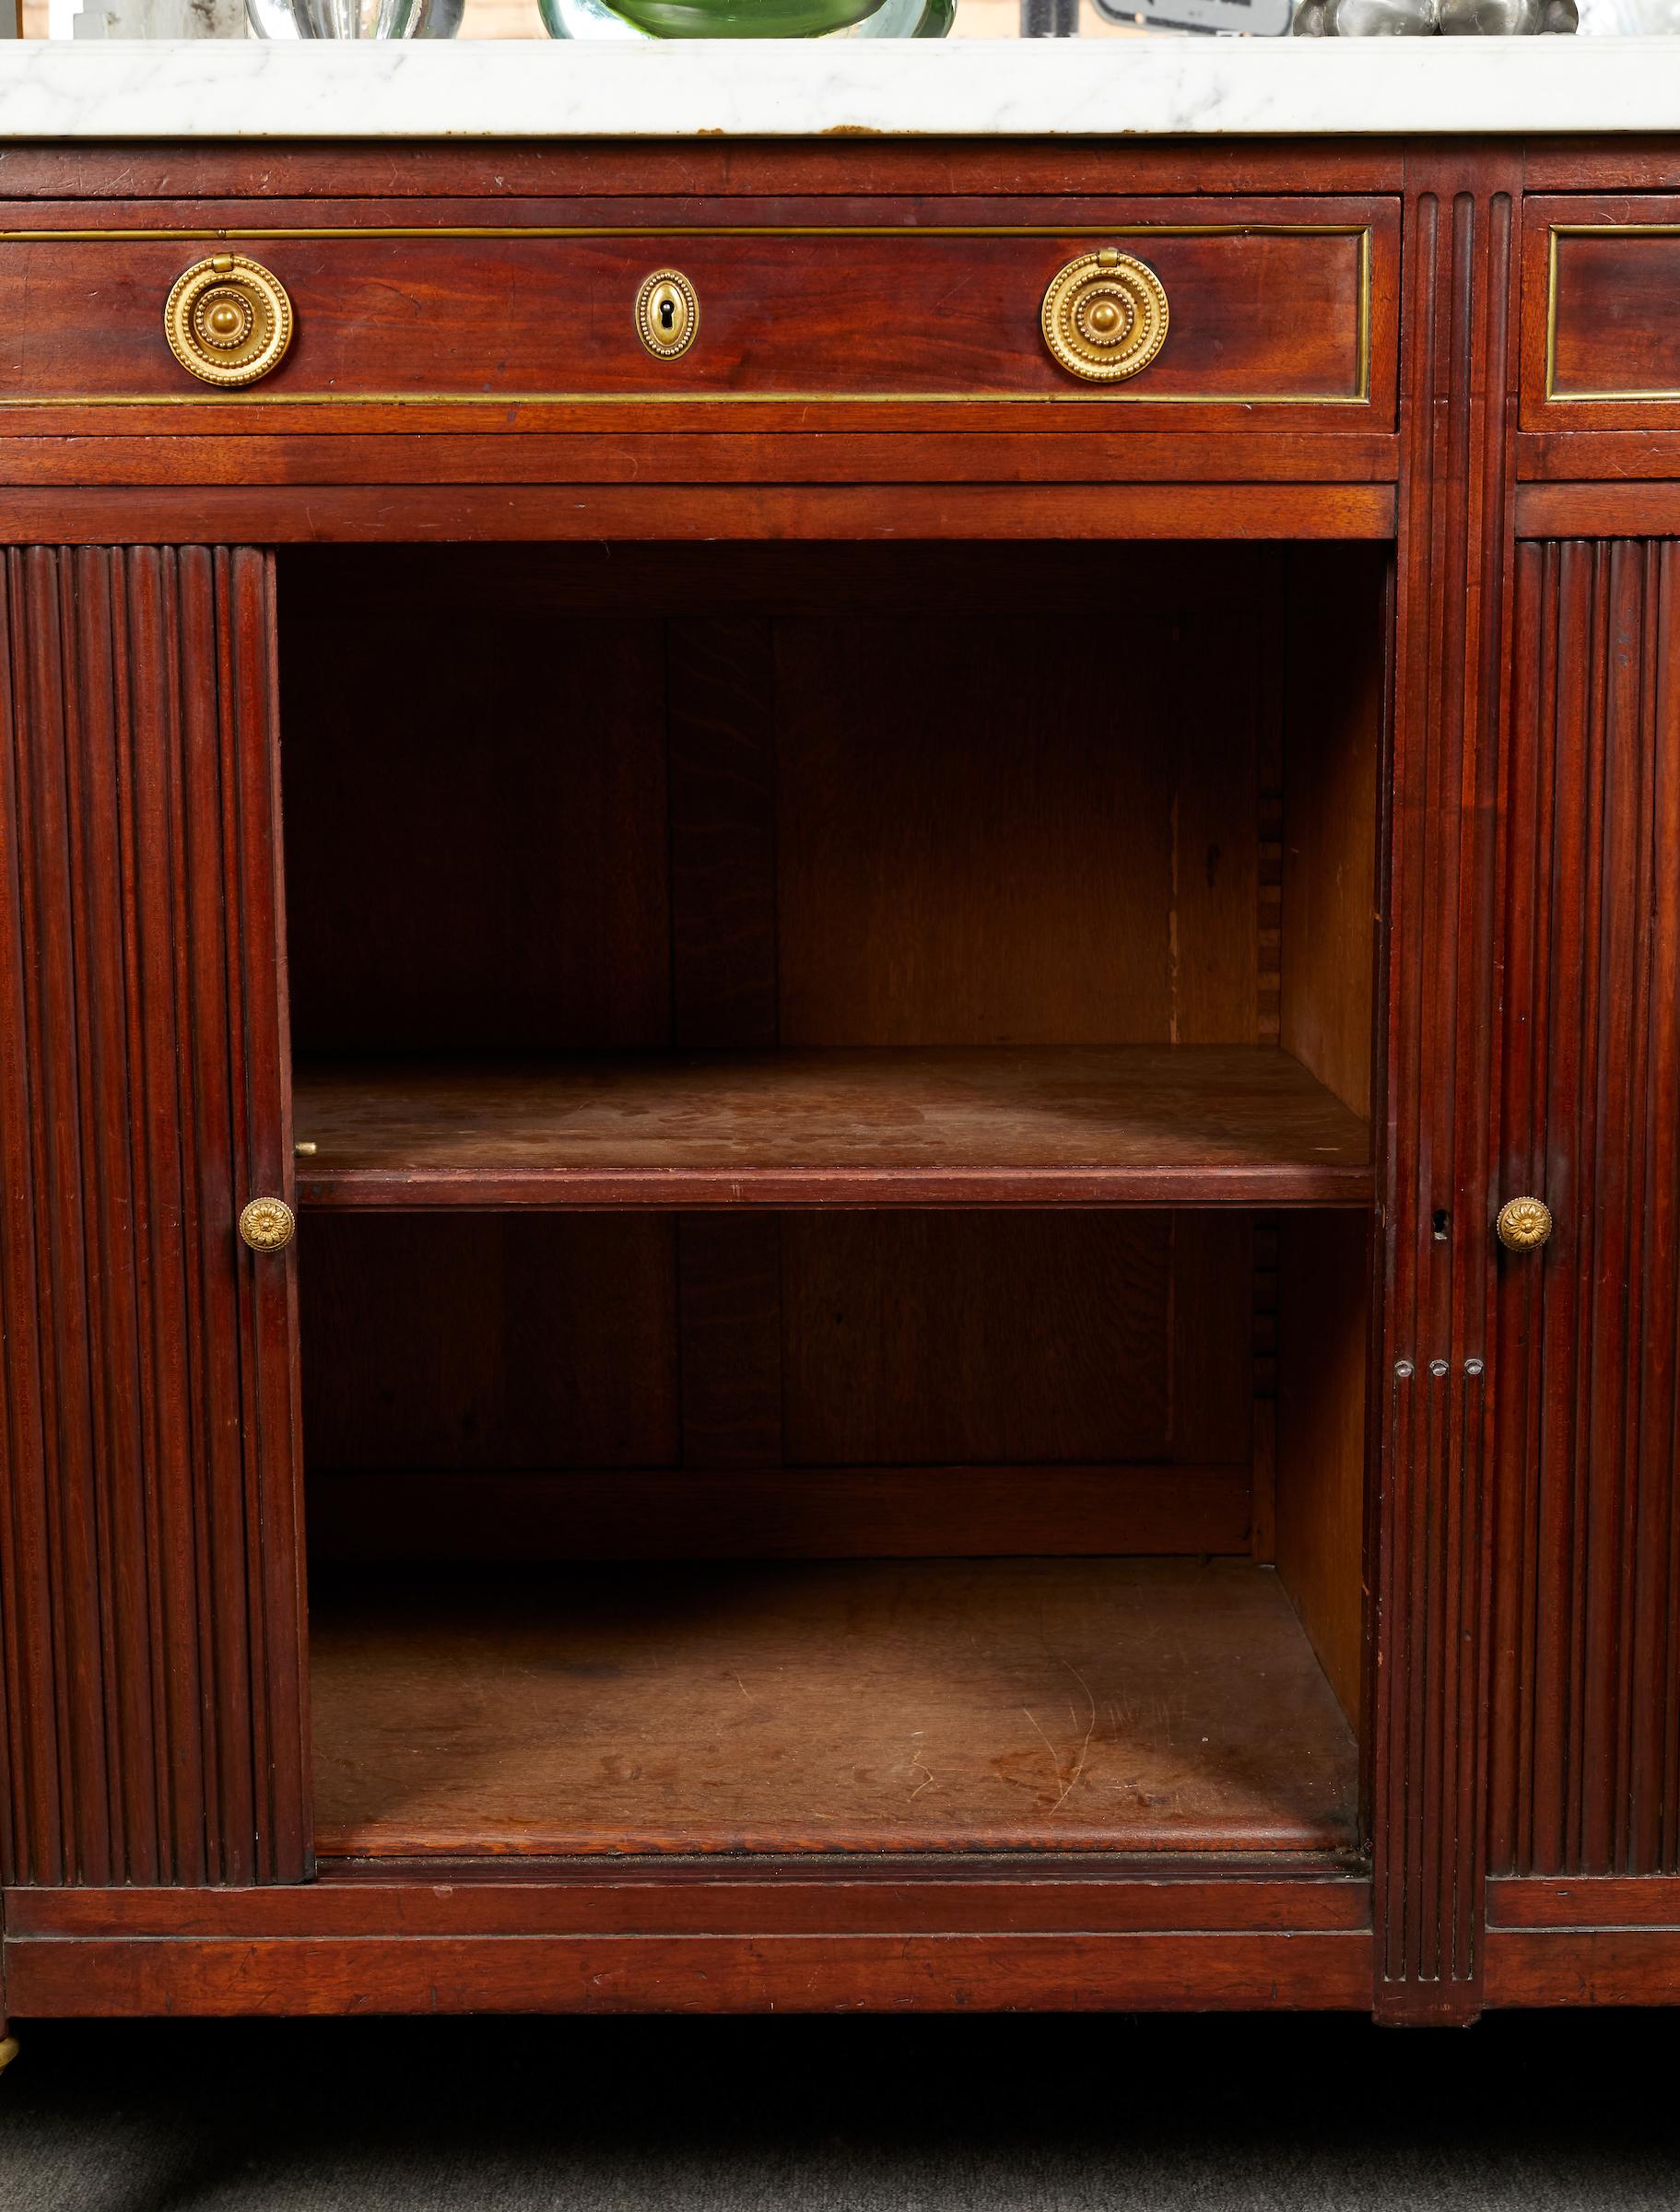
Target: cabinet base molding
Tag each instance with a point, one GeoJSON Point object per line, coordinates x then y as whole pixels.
{"type": "Point", "coordinates": [137, 1976]}
{"type": "Point", "coordinates": [905, 1936]}
{"type": "Point", "coordinates": [992, 1898]}
{"type": "Point", "coordinates": [1582, 1966]}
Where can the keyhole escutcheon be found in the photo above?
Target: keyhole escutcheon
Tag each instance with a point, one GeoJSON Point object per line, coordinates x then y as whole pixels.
{"type": "Point", "coordinates": [667, 314]}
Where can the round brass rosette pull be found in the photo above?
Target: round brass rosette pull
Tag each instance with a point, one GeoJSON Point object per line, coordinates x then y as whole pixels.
{"type": "Point", "coordinates": [268, 1225]}
{"type": "Point", "coordinates": [228, 320]}
{"type": "Point", "coordinates": [1105, 316]}
{"type": "Point", "coordinates": [1524, 1224]}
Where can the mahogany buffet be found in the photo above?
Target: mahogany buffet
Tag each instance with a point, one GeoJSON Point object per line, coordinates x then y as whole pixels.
{"type": "Point", "coordinates": [839, 1072]}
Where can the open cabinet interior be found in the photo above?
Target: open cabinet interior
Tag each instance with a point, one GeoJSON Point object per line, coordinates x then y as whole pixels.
{"type": "Point", "coordinates": [832, 1088]}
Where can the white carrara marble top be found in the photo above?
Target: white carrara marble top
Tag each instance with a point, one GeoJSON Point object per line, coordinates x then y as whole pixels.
{"type": "Point", "coordinates": [521, 88]}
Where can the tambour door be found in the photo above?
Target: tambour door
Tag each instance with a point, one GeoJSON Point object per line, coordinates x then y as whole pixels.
{"type": "Point", "coordinates": [151, 1672]}
{"type": "Point", "coordinates": [1585, 1714]}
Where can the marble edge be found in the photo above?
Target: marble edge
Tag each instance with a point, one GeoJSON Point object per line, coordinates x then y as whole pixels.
{"type": "Point", "coordinates": [1155, 86]}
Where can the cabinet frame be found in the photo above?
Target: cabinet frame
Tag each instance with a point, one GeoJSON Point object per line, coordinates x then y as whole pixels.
{"type": "Point", "coordinates": [1416, 1941]}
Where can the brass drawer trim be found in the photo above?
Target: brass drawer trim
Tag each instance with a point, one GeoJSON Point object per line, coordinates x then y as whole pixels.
{"type": "Point", "coordinates": [1109, 397]}
{"type": "Point", "coordinates": [1550, 394]}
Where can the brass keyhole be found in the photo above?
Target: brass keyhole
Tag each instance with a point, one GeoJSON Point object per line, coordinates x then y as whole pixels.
{"type": "Point", "coordinates": [667, 314]}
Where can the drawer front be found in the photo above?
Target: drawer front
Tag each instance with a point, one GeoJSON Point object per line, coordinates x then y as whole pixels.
{"type": "Point", "coordinates": [1602, 313]}
{"type": "Point", "coordinates": [1270, 309]}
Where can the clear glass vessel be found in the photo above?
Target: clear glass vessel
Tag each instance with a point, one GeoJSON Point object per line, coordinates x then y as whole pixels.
{"type": "Point", "coordinates": [748, 19]}
{"type": "Point", "coordinates": [354, 18]}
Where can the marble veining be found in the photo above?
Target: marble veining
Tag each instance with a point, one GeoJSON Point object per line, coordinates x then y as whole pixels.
{"type": "Point", "coordinates": [1157, 86]}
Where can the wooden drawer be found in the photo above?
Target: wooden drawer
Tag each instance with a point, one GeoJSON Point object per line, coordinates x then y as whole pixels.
{"type": "Point", "coordinates": [1602, 312]}
{"type": "Point", "coordinates": [1284, 305]}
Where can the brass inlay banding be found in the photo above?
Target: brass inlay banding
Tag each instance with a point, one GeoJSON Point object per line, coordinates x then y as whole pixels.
{"type": "Point", "coordinates": [1550, 394]}
{"type": "Point", "coordinates": [1358, 397]}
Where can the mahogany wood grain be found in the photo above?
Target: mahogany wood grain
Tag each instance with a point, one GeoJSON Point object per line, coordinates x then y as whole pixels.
{"type": "Point", "coordinates": [1333, 707]}
{"type": "Point", "coordinates": [1323, 1340]}
{"type": "Point", "coordinates": [885, 776]}
{"type": "Point", "coordinates": [1564, 457]}
{"type": "Point", "coordinates": [492, 1340]}
{"type": "Point", "coordinates": [1582, 1966]}
{"type": "Point", "coordinates": [1459, 290]}
{"type": "Point", "coordinates": [1012, 1705]}
{"type": "Point", "coordinates": [713, 167]}
{"type": "Point", "coordinates": [923, 1337]}
{"type": "Point", "coordinates": [574, 1386]}
{"type": "Point", "coordinates": [730, 1340]}
{"type": "Point", "coordinates": [806, 296]}
{"type": "Point", "coordinates": [1586, 1901]}
{"type": "Point", "coordinates": [913, 307]}
{"type": "Point", "coordinates": [320, 1976]}
{"type": "Point", "coordinates": [721, 718]}
{"type": "Point", "coordinates": [1611, 510]}
{"type": "Point", "coordinates": [801, 1896]}
{"type": "Point", "coordinates": [1012, 866]}
{"type": "Point", "coordinates": [1625, 163]}
{"type": "Point", "coordinates": [1506, 1725]}
{"type": "Point", "coordinates": [1586, 1771]}
{"type": "Point", "coordinates": [1263, 1319]}
{"type": "Point", "coordinates": [1145, 1124]}
{"type": "Point", "coordinates": [560, 512]}
{"type": "Point", "coordinates": [149, 1571]}
{"type": "Point", "coordinates": [1599, 345]}
{"type": "Point", "coordinates": [507, 892]}
{"type": "Point", "coordinates": [776, 445]}
{"type": "Point", "coordinates": [634, 210]}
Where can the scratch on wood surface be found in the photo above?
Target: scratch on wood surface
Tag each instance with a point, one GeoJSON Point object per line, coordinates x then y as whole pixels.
{"type": "Point", "coordinates": [1055, 1757]}
{"type": "Point", "coordinates": [1084, 1747]}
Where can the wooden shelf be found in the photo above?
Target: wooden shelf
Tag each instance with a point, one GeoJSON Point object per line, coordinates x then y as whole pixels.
{"type": "Point", "coordinates": [887, 1706]}
{"type": "Point", "coordinates": [1047, 1125]}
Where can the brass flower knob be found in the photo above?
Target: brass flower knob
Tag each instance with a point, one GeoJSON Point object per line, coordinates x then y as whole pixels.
{"type": "Point", "coordinates": [1523, 1224]}
{"type": "Point", "coordinates": [268, 1224]}
{"type": "Point", "coordinates": [1105, 316]}
{"type": "Point", "coordinates": [228, 320]}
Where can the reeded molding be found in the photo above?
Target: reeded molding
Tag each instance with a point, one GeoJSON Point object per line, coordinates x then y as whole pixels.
{"type": "Point", "coordinates": [1585, 1774]}
{"type": "Point", "coordinates": [150, 1619]}
{"type": "Point", "coordinates": [1432, 1565]}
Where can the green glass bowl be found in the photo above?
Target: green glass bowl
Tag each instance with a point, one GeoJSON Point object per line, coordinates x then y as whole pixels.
{"type": "Point", "coordinates": [744, 18]}
{"type": "Point", "coordinates": [748, 19]}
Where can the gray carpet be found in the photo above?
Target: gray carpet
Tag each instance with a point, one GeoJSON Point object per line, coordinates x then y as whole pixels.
{"type": "Point", "coordinates": [840, 2115]}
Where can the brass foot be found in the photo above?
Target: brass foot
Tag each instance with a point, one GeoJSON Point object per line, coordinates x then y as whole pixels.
{"type": "Point", "coordinates": [9, 2050]}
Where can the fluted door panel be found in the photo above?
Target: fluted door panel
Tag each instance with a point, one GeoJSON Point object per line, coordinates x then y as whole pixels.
{"type": "Point", "coordinates": [1585, 1761]}
{"type": "Point", "coordinates": [150, 1616]}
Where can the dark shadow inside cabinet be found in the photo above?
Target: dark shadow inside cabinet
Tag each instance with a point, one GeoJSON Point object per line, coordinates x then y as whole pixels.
{"type": "Point", "coordinates": [832, 1087]}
